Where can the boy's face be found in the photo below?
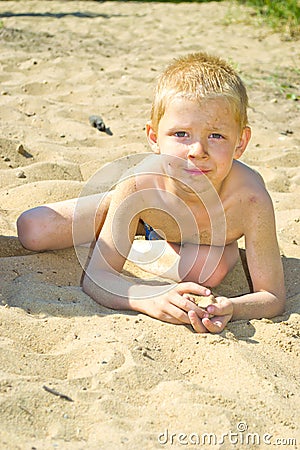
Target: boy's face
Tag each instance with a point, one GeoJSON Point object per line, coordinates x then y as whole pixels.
{"type": "Point", "coordinates": [205, 136]}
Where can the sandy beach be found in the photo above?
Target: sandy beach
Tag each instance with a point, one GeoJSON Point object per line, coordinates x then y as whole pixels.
{"type": "Point", "coordinates": [125, 380]}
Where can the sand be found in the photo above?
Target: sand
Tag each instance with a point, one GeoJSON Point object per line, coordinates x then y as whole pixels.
{"type": "Point", "coordinates": [135, 383]}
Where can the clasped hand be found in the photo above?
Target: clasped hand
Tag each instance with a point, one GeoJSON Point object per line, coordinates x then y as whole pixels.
{"type": "Point", "coordinates": [177, 307]}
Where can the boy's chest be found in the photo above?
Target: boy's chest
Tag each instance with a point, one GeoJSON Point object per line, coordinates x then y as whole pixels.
{"type": "Point", "coordinates": [214, 225]}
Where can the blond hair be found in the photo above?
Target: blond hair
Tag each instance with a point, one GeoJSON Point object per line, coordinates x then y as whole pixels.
{"type": "Point", "coordinates": [200, 76]}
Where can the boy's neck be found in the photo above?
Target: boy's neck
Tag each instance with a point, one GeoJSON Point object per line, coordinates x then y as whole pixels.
{"type": "Point", "coordinates": [209, 194]}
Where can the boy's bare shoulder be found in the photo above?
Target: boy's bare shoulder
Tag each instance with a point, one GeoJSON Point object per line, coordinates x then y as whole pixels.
{"type": "Point", "coordinates": [251, 174]}
{"type": "Point", "coordinates": [247, 181]}
{"type": "Point", "coordinates": [124, 188]}
{"type": "Point", "coordinates": [255, 203]}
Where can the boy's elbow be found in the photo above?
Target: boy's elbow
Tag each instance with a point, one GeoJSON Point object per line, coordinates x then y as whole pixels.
{"type": "Point", "coordinates": [89, 288]}
{"type": "Point", "coordinates": [99, 295]}
{"type": "Point", "coordinates": [279, 305]}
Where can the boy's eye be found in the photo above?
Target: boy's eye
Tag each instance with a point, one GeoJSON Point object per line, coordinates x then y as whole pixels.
{"type": "Point", "coordinates": [215, 136]}
{"type": "Point", "coordinates": [180, 134]}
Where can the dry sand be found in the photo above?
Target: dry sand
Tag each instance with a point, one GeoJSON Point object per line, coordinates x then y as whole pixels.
{"type": "Point", "coordinates": [131, 377]}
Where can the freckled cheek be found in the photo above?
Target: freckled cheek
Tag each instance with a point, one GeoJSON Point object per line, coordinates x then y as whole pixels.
{"type": "Point", "coordinates": [175, 149]}
{"type": "Point", "coordinates": [224, 168]}
{"type": "Point", "coordinates": [223, 157]}
{"type": "Point", "coordinates": [181, 153]}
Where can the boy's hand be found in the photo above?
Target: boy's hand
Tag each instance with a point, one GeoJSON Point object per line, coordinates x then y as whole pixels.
{"type": "Point", "coordinates": [222, 311]}
{"type": "Point", "coordinates": [173, 306]}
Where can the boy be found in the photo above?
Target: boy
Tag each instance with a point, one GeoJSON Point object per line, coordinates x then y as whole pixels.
{"type": "Point", "coordinates": [196, 197]}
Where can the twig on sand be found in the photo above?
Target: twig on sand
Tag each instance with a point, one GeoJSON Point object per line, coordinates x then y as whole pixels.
{"type": "Point", "coordinates": [58, 394]}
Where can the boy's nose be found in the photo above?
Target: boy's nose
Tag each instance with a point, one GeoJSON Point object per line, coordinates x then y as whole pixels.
{"type": "Point", "coordinates": [197, 150]}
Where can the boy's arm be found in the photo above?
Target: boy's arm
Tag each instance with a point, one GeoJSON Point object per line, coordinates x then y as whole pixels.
{"type": "Point", "coordinates": [104, 282]}
{"type": "Point", "coordinates": [264, 262]}
{"type": "Point", "coordinates": [102, 279]}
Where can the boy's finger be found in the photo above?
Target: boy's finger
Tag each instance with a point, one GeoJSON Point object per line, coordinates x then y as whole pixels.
{"type": "Point", "coordinates": [187, 304]}
{"type": "Point", "coordinates": [193, 288]}
{"type": "Point", "coordinates": [196, 322]}
{"type": "Point", "coordinates": [221, 308]}
{"type": "Point", "coordinates": [178, 309]}
{"type": "Point", "coordinates": [213, 327]}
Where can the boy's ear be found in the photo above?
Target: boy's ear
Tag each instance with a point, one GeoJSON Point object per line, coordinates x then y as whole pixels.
{"type": "Point", "coordinates": [244, 140]}
{"type": "Point", "coordinates": [152, 137]}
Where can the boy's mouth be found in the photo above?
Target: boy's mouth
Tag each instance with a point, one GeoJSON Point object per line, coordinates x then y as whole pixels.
{"type": "Point", "coordinates": [197, 172]}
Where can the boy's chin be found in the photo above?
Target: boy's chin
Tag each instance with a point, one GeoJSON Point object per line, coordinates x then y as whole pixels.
{"type": "Point", "coordinates": [193, 187]}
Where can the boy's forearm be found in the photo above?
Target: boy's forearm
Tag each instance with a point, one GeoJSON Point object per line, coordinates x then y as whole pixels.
{"type": "Point", "coordinates": [257, 305]}
{"type": "Point", "coordinates": [114, 291]}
